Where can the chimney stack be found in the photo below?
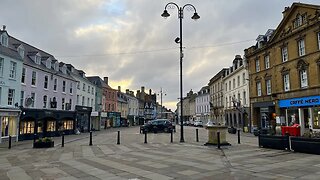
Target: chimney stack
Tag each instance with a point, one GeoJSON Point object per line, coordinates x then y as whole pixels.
{"type": "Point", "coordinates": [142, 89]}
{"type": "Point", "coordinates": [4, 27]}
{"type": "Point", "coordinates": [119, 88]}
{"type": "Point", "coordinates": [150, 91]}
{"type": "Point", "coordinates": [127, 91]}
{"type": "Point", "coordinates": [105, 79]}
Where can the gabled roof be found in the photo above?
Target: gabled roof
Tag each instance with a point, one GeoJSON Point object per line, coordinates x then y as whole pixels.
{"type": "Point", "coordinates": [99, 82]}
{"type": "Point", "coordinates": [288, 13]}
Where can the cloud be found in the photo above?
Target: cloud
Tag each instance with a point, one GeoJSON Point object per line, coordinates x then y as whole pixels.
{"type": "Point", "coordinates": [130, 42]}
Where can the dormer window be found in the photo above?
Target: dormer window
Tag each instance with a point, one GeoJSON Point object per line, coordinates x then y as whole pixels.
{"type": "Point", "coordinates": [48, 63]}
{"type": "Point", "coordinates": [21, 51]}
{"type": "Point", "coordinates": [56, 66]}
{"type": "Point", "coordinates": [4, 39]}
{"type": "Point", "coordinates": [299, 20]}
{"type": "Point", "coordinates": [37, 59]}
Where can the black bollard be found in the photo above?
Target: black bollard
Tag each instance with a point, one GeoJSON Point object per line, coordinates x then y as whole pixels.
{"type": "Point", "coordinates": [62, 141]}
{"type": "Point", "coordinates": [9, 142]}
{"type": "Point", "coordinates": [90, 142]}
{"type": "Point", "coordinates": [218, 135]}
{"type": "Point", "coordinates": [145, 137]}
{"type": "Point", "coordinates": [238, 136]}
{"type": "Point", "coordinates": [34, 138]}
{"type": "Point", "coordinates": [171, 136]}
{"type": "Point", "coordinates": [197, 135]}
{"type": "Point", "coordinates": [118, 139]}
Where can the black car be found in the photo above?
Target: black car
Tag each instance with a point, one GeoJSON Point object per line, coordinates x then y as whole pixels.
{"type": "Point", "coordinates": [158, 125]}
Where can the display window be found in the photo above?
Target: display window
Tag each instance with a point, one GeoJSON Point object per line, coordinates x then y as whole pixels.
{"type": "Point", "coordinates": [293, 116]}
{"type": "Point", "coordinates": [27, 127]}
{"type": "Point", "coordinates": [68, 124]}
{"type": "Point", "coordinates": [316, 118]}
{"type": "Point", "coordinates": [51, 126]}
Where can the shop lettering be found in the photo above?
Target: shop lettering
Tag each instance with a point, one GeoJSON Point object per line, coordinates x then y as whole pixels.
{"type": "Point", "coordinates": [307, 101]}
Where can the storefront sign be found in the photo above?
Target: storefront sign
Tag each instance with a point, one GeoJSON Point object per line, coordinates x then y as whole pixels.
{"type": "Point", "coordinates": [298, 102]}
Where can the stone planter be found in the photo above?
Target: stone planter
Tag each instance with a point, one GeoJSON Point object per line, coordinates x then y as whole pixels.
{"type": "Point", "coordinates": [232, 130]}
{"type": "Point", "coordinates": [274, 142]}
{"type": "Point", "coordinates": [305, 145]}
{"type": "Point", "coordinates": [43, 144]}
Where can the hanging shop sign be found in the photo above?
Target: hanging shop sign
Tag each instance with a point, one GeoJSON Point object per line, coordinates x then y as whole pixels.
{"type": "Point", "coordinates": [299, 102]}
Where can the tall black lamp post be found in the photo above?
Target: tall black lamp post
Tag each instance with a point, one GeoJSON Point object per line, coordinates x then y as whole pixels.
{"type": "Point", "coordinates": [195, 16]}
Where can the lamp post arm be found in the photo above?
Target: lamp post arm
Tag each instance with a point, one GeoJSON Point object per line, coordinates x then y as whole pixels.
{"type": "Point", "coordinates": [171, 3]}
{"type": "Point", "coordinates": [194, 8]}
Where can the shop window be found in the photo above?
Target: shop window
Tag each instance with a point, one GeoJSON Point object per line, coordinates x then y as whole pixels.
{"type": "Point", "coordinates": [51, 126]}
{"type": "Point", "coordinates": [293, 116]}
{"type": "Point", "coordinates": [316, 118]}
{"type": "Point", "coordinates": [68, 124]}
{"type": "Point", "coordinates": [27, 127]}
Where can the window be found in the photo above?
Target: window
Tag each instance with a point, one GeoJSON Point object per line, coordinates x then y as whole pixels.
{"type": "Point", "coordinates": [238, 81]}
{"type": "Point", "coordinates": [10, 97]}
{"type": "Point", "coordinates": [64, 86]}
{"type": "Point", "coordinates": [92, 90]}
{"type": "Point", "coordinates": [33, 97]}
{"type": "Point", "coordinates": [55, 84]}
{"type": "Point", "coordinates": [229, 85]}
{"type": "Point", "coordinates": [70, 91]}
{"type": "Point", "coordinates": [37, 59]}
{"type": "Point", "coordinates": [303, 78]}
{"type": "Point", "coordinates": [89, 89]}
{"type": "Point", "coordinates": [51, 126]}
{"type": "Point", "coordinates": [1, 66]}
{"type": "Point", "coordinates": [34, 78]}
{"type": "Point", "coordinates": [234, 83]}
{"type": "Point", "coordinates": [13, 69]}
{"type": "Point", "coordinates": [46, 79]}
{"type": "Point", "coordinates": [301, 47]}
{"type": "Point", "coordinates": [82, 101]}
{"type": "Point", "coordinates": [84, 87]}
{"type": "Point", "coordinates": [78, 99]}
{"type": "Point", "coordinates": [318, 35]}
{"type": "Point", "coordinates": [4, 40]}
{"type": "Point", "coordinates": [268, 86]}
{"type": "Point", "coordinates": [267, 62]}
{"type": "Point", "coordinates": [78, 85]}
{"type": "Point", "coordinates": [62, 103]}
{"type": "Point", "coordinates": [257, 65]}
{"type": "Point", "coordinates": [21, 98]}
{"type": "Point", "coordinates": [88, 102]}
{"type": "Point", "coordinates": [286, 82]}
{"type": "Point", "coordinates": [45, 101]}
{"type": "Point", "coordinates": [23, 77]}
{"type": "Point", "coordinates": [70, 104]}
{"type": "Point", "coordinates": [259, 88]}
{"type": "Point", "coordinates": [91, 102]}
{"type": "Point", "coordinates": [284, 53]}
{"type": "Point", "coordinates": [27, 127]}
{"type": "Point", "coordinates": [243, 78]}
{"type": "Point", "coordinates": [21, 51]}
{"type": "Point", "coordinates": [244, 98]}
{"type": "Point", "coordinates": [226, 86]}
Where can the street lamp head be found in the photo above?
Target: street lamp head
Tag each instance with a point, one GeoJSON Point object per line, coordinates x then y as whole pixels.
{"type": "Point", "coordinates": [195, 16]}
{"type": "Point", "coordinates": [165, 14]}
{"type": "Point", "coordinates": [177, 40]}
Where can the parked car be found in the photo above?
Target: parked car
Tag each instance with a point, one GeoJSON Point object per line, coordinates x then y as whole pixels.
{"type": "Point", "coordinates": [158, 125]}
{"type": "Point", "coordinates": [198, 123]}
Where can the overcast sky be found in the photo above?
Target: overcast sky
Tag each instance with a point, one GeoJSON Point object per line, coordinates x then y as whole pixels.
{"type": "Point", "coordinates": [129, 42]}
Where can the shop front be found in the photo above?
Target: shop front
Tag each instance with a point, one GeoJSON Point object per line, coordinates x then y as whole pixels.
{"type": "Point", "coordinates": [45, 123]}
{"type": "Point", "coordinates": [9, 120]}
{"type": "Point", "coordinates": [262, 115]}
{"type": "Point", "coordinates": [104, 123]}
{"type": "Point", "coordinates": [304, 111]}
{"type": "Point", "coordinates": [95, 121]}
{"type": "Point", "coordinates": [83, 116]}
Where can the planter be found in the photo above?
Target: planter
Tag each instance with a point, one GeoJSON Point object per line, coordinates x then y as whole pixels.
{"type": "Point", "coordinates": [232, 130]}
{"type": "Point", "coordinates": [274, 142]}
{"type": "Point", "coordinates": [43, 144]}
{"type": "Point", "coordinates": [305, 145]}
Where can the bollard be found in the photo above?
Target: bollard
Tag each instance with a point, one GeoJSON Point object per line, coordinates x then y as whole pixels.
{"type": "Point", "coordinates": [9, 142]}
{"type": "Point", "coordinates": [238, 136]}
{"type": "Point", "coordinates": [145, 137]}
{"type": "Point", "coordinates": [34, 138]}
{"type": "Point", "coordinates": [62, 141]}
{"type": "Point", "coordinates": [90, 142]}
{"type": "Point", "coordinates": [118, 139]}
{"type": "Point", "coordinates": [197, 135]}
{"type": "Point", "coordinates": [171, 136]}
{"type": "Point", "coordinates": [218, 135]}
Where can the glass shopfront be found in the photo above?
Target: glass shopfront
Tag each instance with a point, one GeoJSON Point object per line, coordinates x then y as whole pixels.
{"type": "Point", "coordinates": [316, 118]}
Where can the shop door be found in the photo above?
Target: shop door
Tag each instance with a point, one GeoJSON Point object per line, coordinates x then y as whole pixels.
{"type": "Point", "coordinates": [306, 119]}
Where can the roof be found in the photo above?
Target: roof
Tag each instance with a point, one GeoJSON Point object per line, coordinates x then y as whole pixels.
{"type": "Point", "coordinates": [98, 82]}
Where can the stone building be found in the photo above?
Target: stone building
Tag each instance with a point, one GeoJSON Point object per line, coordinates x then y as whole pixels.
{"type": "Point", "coordinates": [284, 71]}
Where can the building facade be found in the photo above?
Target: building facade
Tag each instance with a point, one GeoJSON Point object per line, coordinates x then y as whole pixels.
{"type": "Point", "coordinates": [202, 105]}
{"type": "Point", "coordinates": [237, 95]}
{"type": "Point", "coordinates": [284, 71]}
{"type": "Point", "coordinates": [133, 108]}
{"type": "Point", "coordinates": [11, 62]}
{"type": "Point", "coordinates": [217, 97]}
